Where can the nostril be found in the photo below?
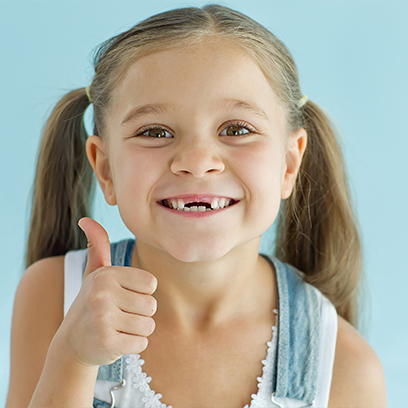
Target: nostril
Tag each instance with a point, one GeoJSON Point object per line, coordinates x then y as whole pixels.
{"type": "Point", "coordinates": [197, 164]}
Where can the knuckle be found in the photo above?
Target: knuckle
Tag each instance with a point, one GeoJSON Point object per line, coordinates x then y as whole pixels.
{"type": "Point", "coordinates": [99, 300]}
{"type": "Point", "coordinates": [151, 282]}
{"type": "Point", "coordinates": [150, 305]}
{"type": "Point", "coordinates": [132, 344]}
{"type": "Point", "coordinates": [143, 326]}
{"type": "Point", "coordinates": [140, 343]}
{"type": "Point", "coordinates": [100, 279]}
{"type": "Point", "coordinates": [154, 283]}
{"type": "Point", "coordinates": [150, 325]}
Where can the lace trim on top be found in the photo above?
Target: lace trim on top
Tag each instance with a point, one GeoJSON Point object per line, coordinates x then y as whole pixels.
{"type": "Point", "coordinates": [262, 399]}
{"type": "Point", "coordinates": [141, 382]}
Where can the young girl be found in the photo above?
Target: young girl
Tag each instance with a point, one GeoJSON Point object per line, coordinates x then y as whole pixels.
{"type": "Point", "coordinates": [201, 133]}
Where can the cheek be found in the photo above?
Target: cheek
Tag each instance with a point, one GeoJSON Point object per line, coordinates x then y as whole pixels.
{"type": "Point", "coordinates": [135, 165]}
{"type": "Point", "coordinates": [136, 172]}
{"type": "Point", "coordinates": [263, 167]}
{"type": "Point", "coordinates": [262, 170]}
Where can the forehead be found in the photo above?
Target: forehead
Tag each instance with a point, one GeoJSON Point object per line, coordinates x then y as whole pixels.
{"type": "Point", "coordinates": [204, 77]}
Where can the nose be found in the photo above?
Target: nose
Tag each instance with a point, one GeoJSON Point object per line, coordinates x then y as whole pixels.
{"type": "Point", "coordinates": [197, 158]}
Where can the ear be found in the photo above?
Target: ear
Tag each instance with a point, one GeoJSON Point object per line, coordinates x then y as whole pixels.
{"type": "Point", "coordinates": [96, 152]}
{"type": "Point", "coordinates": [293, 159]}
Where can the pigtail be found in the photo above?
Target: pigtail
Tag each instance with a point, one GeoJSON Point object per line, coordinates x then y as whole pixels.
{"type": "Point", "coordinates": [317, 231]}
{"type": "Point", "coordinates": [63, 183]}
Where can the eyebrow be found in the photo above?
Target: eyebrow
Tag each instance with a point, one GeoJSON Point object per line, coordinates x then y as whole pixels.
{"type": "Point", "coordinates": [156, 108]}
{"type": "Point", "coordinates": [149, 109]}
{"type": "Point", "coordinates": [239, 104]}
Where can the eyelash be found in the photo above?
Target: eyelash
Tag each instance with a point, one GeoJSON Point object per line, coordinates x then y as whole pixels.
{"type": "Point", "coordinates": [242, 125]}
{"type": "Point", "coordinates": [237, 124]}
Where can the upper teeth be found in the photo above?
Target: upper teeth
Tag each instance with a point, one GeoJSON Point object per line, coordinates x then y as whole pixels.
{"type": "Point", "coordinates": [216, 203]}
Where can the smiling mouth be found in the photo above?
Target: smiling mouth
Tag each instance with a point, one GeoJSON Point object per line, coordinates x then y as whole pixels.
{"type": "Point", "coordinates": [216, 203]}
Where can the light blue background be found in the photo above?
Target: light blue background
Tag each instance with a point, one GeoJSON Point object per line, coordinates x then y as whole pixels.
{"type": "Point", "coordinates": [353, 60]}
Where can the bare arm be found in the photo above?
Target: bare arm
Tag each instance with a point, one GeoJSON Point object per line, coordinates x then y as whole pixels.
{"type": "Point", "coordinates": [358, 377]}
{"type": "Point", "coordinates": [55, 360]}
{"type": "Point", "coordinates": [38, 313]}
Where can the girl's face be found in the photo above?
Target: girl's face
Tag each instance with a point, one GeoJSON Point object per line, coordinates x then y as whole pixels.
{"type": "Point", "coordinates": [196, 127]}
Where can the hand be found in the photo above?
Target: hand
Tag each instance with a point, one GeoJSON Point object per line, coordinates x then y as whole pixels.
{"type": "Point", "coordinates": [111, 315]}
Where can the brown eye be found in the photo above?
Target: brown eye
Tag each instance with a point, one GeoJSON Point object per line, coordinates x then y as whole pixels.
{"type": "Point", "coordinates": [234, 130]}
{"type": "Point", "coordinates": [157, 133]}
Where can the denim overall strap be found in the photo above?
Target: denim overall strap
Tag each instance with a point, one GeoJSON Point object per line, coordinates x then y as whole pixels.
{"type": "Point", "coordinates": [297, 362]}
{"type": "Point", "coordinates": [121, 255]}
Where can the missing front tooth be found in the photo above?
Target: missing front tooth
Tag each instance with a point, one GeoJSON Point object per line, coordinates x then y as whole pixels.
{"type": "Point", "coordinates": [198, 204]}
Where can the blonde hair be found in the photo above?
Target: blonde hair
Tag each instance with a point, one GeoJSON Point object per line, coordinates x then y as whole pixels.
{"type": "Point", "coordinates": [317, 230]}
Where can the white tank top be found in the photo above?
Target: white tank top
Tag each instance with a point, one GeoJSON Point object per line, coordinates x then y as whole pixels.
{"type": "Point", "coordinates": [137, 392]}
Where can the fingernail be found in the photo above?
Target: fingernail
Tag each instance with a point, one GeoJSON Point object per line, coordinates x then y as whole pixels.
{"type": "Point", "coordinates": [79, 224]}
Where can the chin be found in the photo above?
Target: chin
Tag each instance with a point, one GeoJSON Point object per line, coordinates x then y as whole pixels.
{"type": "Point", "coordinates": [197, 252]}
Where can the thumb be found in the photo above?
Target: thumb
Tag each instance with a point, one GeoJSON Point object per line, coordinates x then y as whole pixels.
{"type": "Point", "coordinates": [98, 245]}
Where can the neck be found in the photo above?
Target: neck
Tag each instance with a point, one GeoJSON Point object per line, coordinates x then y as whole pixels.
{"type": "Point", "coordinates": [201, 295]}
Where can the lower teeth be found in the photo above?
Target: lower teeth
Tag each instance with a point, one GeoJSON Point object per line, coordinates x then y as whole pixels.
{"type": "Point", "coordinates": [195, 209]}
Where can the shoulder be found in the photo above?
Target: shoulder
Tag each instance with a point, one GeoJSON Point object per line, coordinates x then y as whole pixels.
{"type": "Point", "coordinates": [358, 377]}
{"type": "Point", "coordinates": [44, 277]}
{"type": "Point", "coordinates": [38, 305]}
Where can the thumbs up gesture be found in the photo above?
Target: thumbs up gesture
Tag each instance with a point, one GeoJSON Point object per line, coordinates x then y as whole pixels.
{"type": "Point", "coordinates": [112, 314]}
